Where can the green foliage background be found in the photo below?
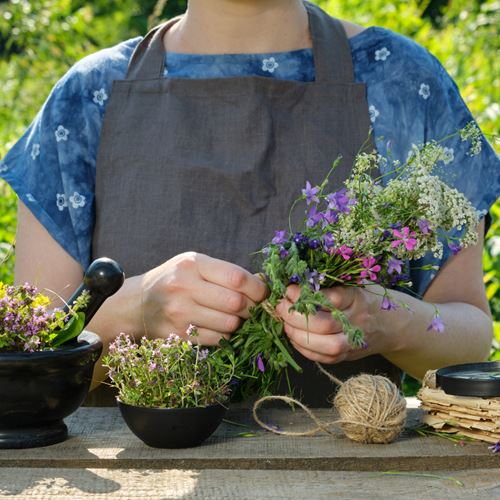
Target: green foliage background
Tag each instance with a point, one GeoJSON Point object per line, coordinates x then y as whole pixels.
{"type": "Point", "coordinates": [41, 39]}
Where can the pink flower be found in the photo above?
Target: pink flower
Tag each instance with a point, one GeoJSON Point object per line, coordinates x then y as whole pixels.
{"type": "Point", "coordinates": [345, 251]}
{"type": "Point", "coordinates": [370, 269]}
{"type": "Point", "coordinates": [406, 237]}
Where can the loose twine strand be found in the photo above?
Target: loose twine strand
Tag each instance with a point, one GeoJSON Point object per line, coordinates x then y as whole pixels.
{"type": "Point", "coordinates": [371, 409]}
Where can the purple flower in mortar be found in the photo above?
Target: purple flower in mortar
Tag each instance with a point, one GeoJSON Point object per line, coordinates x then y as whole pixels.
{"type": "Point", "coordinates": [394, 265]}
{"type": "Point", "coordinates": [495, 448]}
{"type": "Point", "coordinates": [454, 247]}
{"type": "Point", "coordinates": [314, 244]}
{"type": "Point", "coordinates": [279, 237]}
{"type": "Point", "coordinates": [423, 225]}
{"type": "Point", "coordinates": [310, 193]}
{"type": "Point", "coordinates": [260, 363]}
{"type": "Point", "coordinates": [436, 324]}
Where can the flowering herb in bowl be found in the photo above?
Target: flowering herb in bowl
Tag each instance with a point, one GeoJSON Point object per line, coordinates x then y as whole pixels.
{"type": "Point", "coordinates": [171, 393]}
{"type": "Point", "coordinates": [27, 324]}
{"type": "Point", "coordinates": [363, 234]}
{"type": "Point", "coordinates": [168, 373]}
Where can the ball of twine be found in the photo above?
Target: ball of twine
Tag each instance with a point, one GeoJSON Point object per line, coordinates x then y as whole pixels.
{"type": "Point", "coordinates": [370, 407]}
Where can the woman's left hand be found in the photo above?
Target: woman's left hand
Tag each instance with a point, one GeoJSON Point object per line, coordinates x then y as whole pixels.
{"type": "Point", "coordinates": [320, 337]}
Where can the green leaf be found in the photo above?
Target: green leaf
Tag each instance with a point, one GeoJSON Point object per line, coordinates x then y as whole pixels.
{"type": "Point", "coordinates": [72, 329]}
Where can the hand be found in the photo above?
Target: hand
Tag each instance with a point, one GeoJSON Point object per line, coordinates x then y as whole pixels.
{"type": "Point", "coordinates": [193, 288]}
{"type": "Point", "coordinates": [320, 338]}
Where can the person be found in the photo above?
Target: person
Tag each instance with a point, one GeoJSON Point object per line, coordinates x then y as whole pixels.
{"type": "Point", "coordinates": [179, 154]}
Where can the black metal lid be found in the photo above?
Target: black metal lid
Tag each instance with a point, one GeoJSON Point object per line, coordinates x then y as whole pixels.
{"type": "Point", "coordinates": [470, 379]}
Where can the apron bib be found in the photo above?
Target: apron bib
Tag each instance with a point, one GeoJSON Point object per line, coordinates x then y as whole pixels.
{"type": "Point", "coordinates": [213, 165]}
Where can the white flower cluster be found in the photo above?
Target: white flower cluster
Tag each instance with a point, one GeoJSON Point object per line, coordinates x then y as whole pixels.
{"type": "Point", "coordinates": [472, 133]}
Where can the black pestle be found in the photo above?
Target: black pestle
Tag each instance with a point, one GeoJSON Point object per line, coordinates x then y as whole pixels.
{"type": "Point", "coordinates": [103, 278]}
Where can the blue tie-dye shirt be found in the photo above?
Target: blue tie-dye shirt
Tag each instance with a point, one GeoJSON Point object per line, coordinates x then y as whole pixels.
{"type": "Point", "coordinates": [411, 99]}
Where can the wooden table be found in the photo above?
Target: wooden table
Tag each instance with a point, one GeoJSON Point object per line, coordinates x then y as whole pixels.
{"type": "Point", "coordinates": [103, 459]}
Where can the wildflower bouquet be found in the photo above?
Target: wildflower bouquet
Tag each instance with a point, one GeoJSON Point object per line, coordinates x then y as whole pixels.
{"type": "Point", "coordinates": [366, 233]}
{"type": "Point", "coordinates": [26, 324]}
{"type": "Point", "coordinates": [168, 373]}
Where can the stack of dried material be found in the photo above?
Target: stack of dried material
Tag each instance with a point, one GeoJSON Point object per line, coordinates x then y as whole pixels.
{"type": "Point", "coordinates": [475, 417]}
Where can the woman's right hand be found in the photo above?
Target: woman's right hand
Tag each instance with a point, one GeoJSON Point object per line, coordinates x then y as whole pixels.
{"type": "Point", "coordinates": [193, 288]}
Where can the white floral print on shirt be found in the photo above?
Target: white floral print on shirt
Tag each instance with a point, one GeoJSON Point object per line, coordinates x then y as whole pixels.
{"type": "Point", "coordinates": [449, 155]}
{"type": "Point", "coordinates": [61, 201]}
{"type": "Point", "coordinates": [374, 113]}
{"type": "Point", "coordinates": [382, 54]}
{"type": "Point", "coordinates": [30, 197]}
{"type": "Point", "coordinates": [425, 91]}
{"type": "Point", "coordinates": [77, 200]}
{"type": "Point", "coordinates": [35, 151]}
{"type": "Point", "coordinates": [3, 166]}
{"type": "Point", "coordinates": [269, 65]}
{"type": "Point", "coordinates": [100, 96]}
{"type": "Point", "coordinates": [61, 134]}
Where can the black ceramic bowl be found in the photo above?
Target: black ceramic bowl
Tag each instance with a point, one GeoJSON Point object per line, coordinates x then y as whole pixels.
{"type": "Point", "coordinates": [172, 427]}
{"type": "Point", "coordinates": [39, 389]}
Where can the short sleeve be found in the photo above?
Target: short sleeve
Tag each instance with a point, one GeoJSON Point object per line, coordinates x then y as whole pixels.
{"type": "Point", "coordinates": [413, 100]}
{"type": "Point", "coordinates": [52, 166]}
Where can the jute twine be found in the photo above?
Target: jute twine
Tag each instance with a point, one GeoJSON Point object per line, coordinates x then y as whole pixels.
{"type": "Point", "coordinates": [370, 407]}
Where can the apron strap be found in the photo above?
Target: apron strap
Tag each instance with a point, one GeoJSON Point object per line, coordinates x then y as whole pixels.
{"type": "Point", "coordinates": [331, 50]}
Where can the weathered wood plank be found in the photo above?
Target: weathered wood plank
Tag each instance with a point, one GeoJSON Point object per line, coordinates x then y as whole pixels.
{"type": "Point", "coordinates": [101, 439]}
{"type": "Point", "coordinates": [249, 484]}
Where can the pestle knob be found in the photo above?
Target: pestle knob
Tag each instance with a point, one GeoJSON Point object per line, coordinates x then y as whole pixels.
{"type": "Point", "coordinates": [103, 278]}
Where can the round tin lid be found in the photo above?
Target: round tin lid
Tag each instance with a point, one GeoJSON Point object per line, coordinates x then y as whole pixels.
{"type": "Point", "coordinates": [470, 379]}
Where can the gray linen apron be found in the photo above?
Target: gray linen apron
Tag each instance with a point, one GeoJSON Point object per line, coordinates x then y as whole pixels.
{"type": "Point", "coordinates": [213, 165]}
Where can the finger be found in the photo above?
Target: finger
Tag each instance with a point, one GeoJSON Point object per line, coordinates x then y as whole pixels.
{"type": "Point", "coordinates": [222, 299]}
{"type": "Point", "coordinates": [334, 345]}
{"type": "Point", "coordinates": [204, 317]}
{"type": "Point", "coordinates": [322, 322]}
{"type": "Point", "coordinates": [320, 358]}
{"type": "Point", "coordinates": [208, 337]}
{"type": "Point", "coordinates": [231, 276]}
{"type": "Point", "coordinates": [341, 297]}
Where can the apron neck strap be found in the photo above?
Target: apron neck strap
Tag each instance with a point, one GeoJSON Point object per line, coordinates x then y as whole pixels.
{"type": "Point", "coordinates": [331, 50]}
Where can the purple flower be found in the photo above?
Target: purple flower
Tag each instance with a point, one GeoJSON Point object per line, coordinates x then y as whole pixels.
{"type": "Point", "coordinates": [345, 251]}
{"type": "Point", "coordinates": [329, 217]}
{"type": "Point", "coordinates": [340, 201]}
{"type": "Point", "coordinates": [300, 239]}
{"type": "Point", "coordinates": [394, 265]}
{"type": "Point", "coordinates": [423, 225]}
{"type": "Point", "coordinates": [260, 363]}
{"type": "Point", "coordinates": [313, 217]}
{"type": "Point", "coordinates": [436, 324]}
{"type": "Point", "coordinates": [314, 243]}
{"type": "Point", "coordinates": [406, 237]}
{"type": "Point", "coordinates": [454, 247]}
{"type": "Point", "coordinates": [294, 279]}
{"type": "Point", "coordinates": [328, 240]}
{"type": "Point", "coordinates": [279, 237]}
{"type": "Point", "coordinates": [152, 367]}
{"type": "Point", "coordinates": [388, 305]}
{"type": "Point", "coordinates": [315, 279]}
{"type": "Point", "coordinates": [310, 193]}
{"type": "Point", "coordinates": [203, 354]}
{"type": "Point", "coordinates": [283, 253]}
{"type": "Point", "coordinates": [495, 448]}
